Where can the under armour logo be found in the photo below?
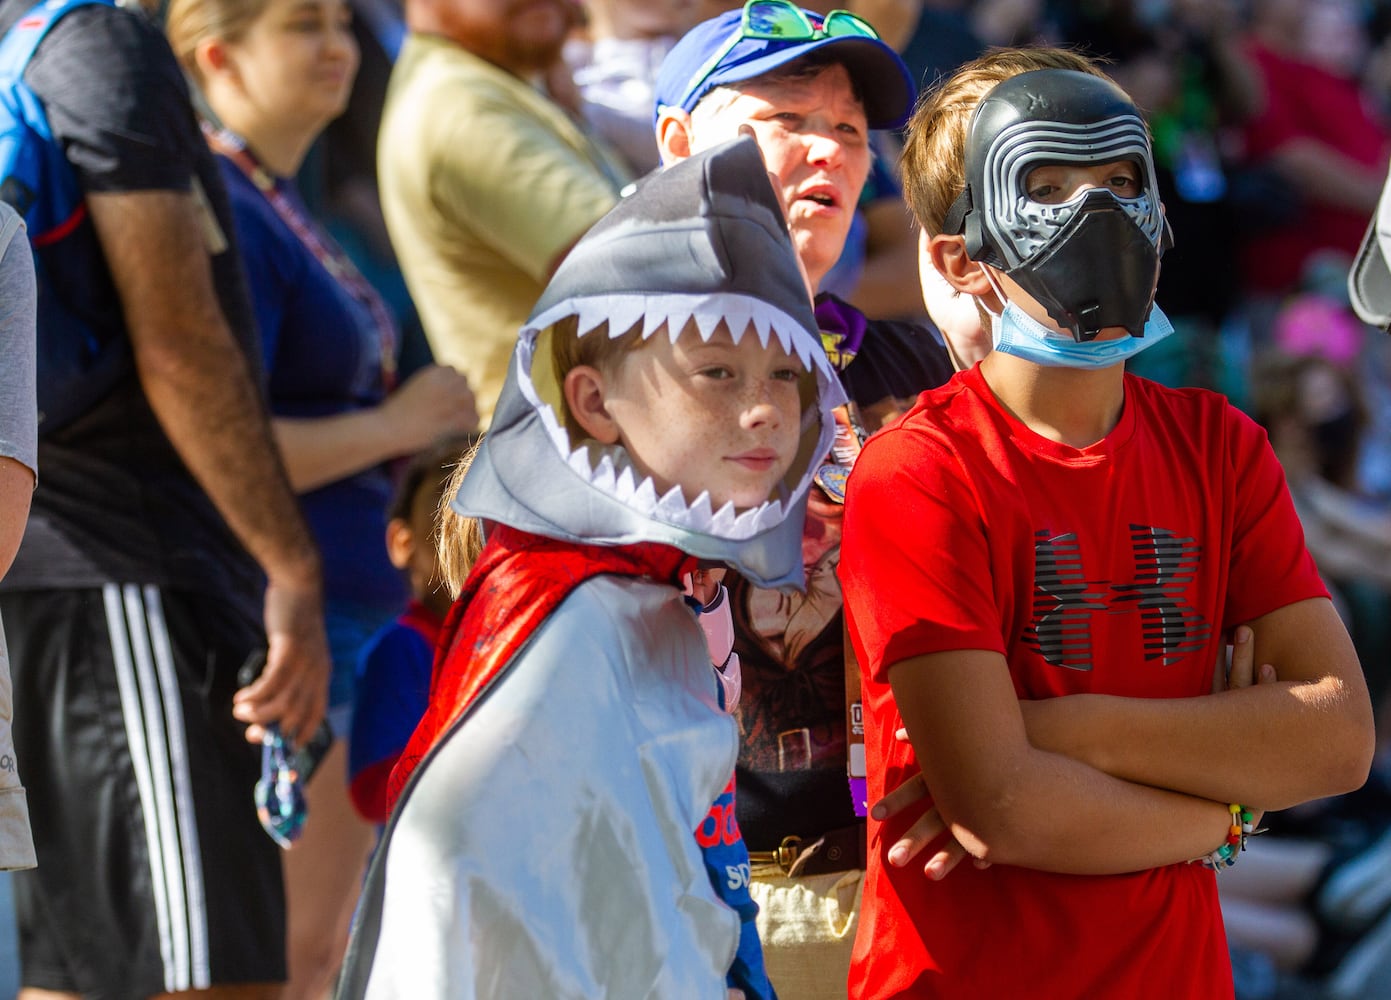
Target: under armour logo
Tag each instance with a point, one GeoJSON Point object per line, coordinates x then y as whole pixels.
{"type": "Point", "coordinates": [1064, 600]}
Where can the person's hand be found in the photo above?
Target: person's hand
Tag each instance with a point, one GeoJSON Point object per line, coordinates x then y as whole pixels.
{"type": "Point", "coordinates": [1241, 673]}
{"type": "Point", "coordinates": [705, 584]}
{"type": "Point", "coordinates": [293, 687]}
{"type": "Point", "coordinates": [912, 794]}
{"type": "Point", "coordinates": [434, 402]}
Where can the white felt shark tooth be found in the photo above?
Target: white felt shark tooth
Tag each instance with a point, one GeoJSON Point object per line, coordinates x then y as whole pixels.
{"type": "Point", "coordinates": [722, 524]}
{"type": "Point", "coordinates": [558, 435]}
{"type": "Point", "coordinates": [579, 461]}
{"type": "Point", "coordinates": [738, 312]}
{"type": "Point", "coordinates": [785, 335]}
{"type": "Point", "coordinates": [700, 512]}
{"type": "Point", "coordinates": [651, 321]}
{"type": "Point", "coordinates": [706, 322]}
{"type": "Point", "coordinates": [672, 506]}
{"type": "Point", "coordinates": [768, 516]}
{"type": "Point", "coordinates": [743, 525]}
{"type": "Point", "coordinates": [605, 476]}
{"type": "Point", "coordinates": [624, 313]}
{"type": "Point", "coordinates": [761, 325]}
{"type": "Point", "coordinates": [645, 497]}
{"type": "Point", "coordinates": [625, 485]}
{"type": "Point", "coordinates": [676, 323]}
{"type": "Point", "coordinates": [808, 347]}
{"type": "Point", "coordinates": [591, 313]}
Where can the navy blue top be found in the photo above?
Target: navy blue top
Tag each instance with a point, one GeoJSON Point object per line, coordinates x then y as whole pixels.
{"type": "Point", "coordinates": [323, 356]}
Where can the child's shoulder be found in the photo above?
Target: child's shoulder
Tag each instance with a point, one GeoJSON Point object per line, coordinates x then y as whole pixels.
{"type": "Point", "coordinates": [942, 416]}
{"type": "Point", "coordinates": [1183, 402]}
{"type": "Point", "coordinates": [1200, 419]}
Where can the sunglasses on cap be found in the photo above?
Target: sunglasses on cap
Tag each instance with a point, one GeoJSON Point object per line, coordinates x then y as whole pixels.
{"type": "Point", "coordinates": [780, 21]}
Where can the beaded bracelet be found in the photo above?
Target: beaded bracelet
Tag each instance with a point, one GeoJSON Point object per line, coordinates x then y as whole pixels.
{"type": "Point", "coordinates": [1242, 828]}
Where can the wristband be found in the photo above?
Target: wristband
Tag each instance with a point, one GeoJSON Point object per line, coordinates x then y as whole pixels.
{"type": "Point", "coordinates": [1242, 827]}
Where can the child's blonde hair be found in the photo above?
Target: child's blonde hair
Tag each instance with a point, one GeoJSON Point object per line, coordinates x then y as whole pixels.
{"type": "Point", "coordinates": [934, 153]}
{"type": "Point", "coordinates": [459, 539]}
{"type": "Point", "coordinates": [568, 350]}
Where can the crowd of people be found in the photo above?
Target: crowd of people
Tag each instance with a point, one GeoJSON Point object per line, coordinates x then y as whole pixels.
{"type": "Point", "coordinates": [767, 363]}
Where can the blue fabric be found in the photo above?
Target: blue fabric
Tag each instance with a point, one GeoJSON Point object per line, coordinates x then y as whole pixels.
{"type": "Point", "coordinates": [393, 688]}
{"type": "Point", "coordinates": [350, 628]}
{"type": "Point", "coordinates": [322, 357]}
{"type": "Point", "coordinates": [727, 864]}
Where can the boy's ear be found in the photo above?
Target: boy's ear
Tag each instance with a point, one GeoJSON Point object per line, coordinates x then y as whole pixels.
{"type": "Point", "coordinates": [400, 542]}
{"type": "Point", "coordinates": [948, 257]}
{"type": "Point", "coordinates": [210, 55]}
{"type": "Point", "coordinates": [584, 397]}
{"type": "Point", "coordinates": [674, 138]}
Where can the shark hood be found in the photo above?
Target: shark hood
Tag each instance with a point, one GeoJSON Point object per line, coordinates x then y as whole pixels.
{"type": "Point", "coordinates": [701, 242]}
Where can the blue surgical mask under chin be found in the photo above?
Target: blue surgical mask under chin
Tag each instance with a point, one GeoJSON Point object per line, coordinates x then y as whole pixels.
{"type": "Point", "coordinates": [1016, 332]}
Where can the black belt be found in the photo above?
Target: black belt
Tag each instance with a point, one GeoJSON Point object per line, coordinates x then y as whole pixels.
{"type": "Point", "coordinates": [837, 850]}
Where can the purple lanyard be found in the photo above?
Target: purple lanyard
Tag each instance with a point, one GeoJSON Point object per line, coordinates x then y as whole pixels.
{"type": "Point", "coordinates": [337, 263]}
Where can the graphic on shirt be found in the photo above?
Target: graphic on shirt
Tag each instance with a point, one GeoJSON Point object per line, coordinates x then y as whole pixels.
{"type": "Point", "coordinates": [792, 711]}
{"type": "Point", "coordinates": [1165, 564]}
{"type": "Point", "coordinates": [1065, 601]}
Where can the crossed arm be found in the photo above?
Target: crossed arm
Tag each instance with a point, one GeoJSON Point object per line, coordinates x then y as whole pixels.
{"type": "Point", "coordinates": [1099, 784]}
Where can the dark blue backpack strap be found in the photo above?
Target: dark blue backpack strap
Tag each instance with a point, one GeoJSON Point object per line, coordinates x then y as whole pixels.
{"type": "Point", "coordinates": [24, 37]}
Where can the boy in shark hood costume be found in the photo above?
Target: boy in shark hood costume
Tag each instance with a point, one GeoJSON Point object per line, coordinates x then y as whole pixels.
{"type": "Point", "coordinates": [545, 838]}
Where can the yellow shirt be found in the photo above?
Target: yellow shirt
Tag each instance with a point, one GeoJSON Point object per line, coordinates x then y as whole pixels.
{"type": "Point", "coordinates": [484, 181]}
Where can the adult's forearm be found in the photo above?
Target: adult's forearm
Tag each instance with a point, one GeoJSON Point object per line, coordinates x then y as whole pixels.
{"type": "Point", "coordinates": [195, 375]}
{"type": "Point", "coordinates": [323, 450]}
{"type": "Point", "coordinates": [208, 405]}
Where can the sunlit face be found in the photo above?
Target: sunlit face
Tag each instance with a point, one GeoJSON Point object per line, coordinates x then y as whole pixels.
{"type": "Point", "coordinates": [708, 416]}
{"type": "Point", "coordinates": [297, 61]}
{"type": "Point", "coordinates": [815, 139]}
{"type": "Point", "coordinates": [1055, 183]}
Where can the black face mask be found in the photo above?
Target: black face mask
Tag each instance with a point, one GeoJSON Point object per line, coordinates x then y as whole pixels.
{"type": "Point", "coordinates": [1098, 272]}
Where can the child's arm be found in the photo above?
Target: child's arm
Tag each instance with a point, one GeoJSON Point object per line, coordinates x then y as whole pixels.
{"type": "Point", "coordinates": [1006, 801]}
{"type": "Point", "coordinates": [909, 799]}
{"type": "Point", "coordinates": [1271, 745]}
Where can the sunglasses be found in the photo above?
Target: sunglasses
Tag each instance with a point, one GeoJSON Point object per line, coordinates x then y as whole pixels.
{"type": "Point", "coordinates": [280, 802]}
{"type": "Point", "coordinates": [780, 21]}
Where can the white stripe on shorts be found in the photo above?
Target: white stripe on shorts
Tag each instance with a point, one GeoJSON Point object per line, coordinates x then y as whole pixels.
{"type": "Point", "coordinates": [154, 730]}
{"type": "Point", "coordinates": [183, 792]}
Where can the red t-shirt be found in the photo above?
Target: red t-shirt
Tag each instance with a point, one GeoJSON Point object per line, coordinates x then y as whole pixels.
{"type": "Point", "coordinates": [1112, 569]}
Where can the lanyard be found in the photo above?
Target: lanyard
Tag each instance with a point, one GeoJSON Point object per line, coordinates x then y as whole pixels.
{"type": "Point", "coordinates": [337, 263]}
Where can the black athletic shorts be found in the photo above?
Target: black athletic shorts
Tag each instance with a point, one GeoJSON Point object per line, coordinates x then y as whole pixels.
{"type": "Point", "coordinates": [154, 874]}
